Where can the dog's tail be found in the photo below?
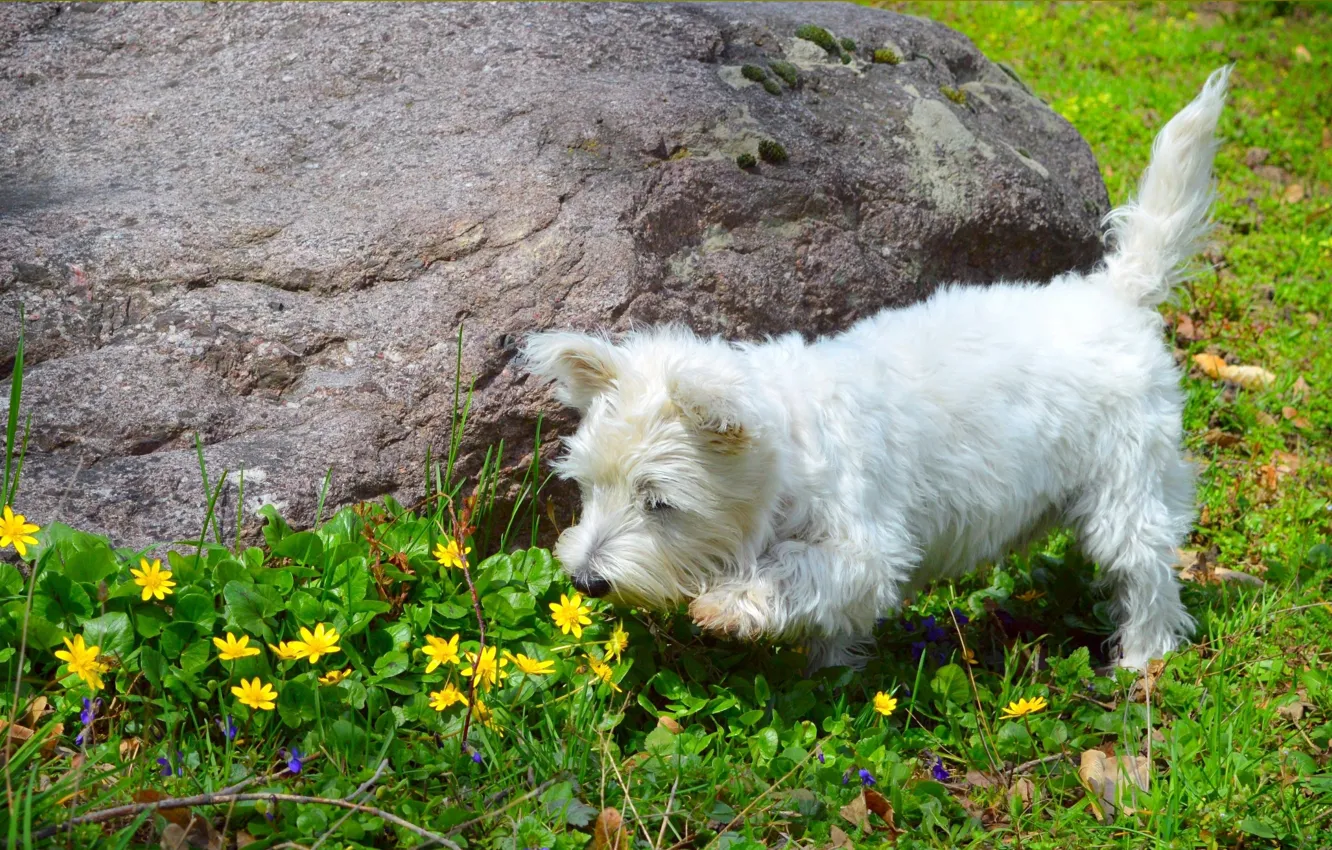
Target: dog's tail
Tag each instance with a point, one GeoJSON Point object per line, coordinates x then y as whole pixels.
{"type": "Point", "coordinates": [1156, 234]}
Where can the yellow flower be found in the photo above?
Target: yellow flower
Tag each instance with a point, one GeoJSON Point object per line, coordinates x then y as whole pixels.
{"type": "Point", "coordinates": [884, 704]}
{"type": "Point", "coordinates": [154, 580]}
{"type": "Point", "coordinates": [488, 671]}
{"type": "Point", "coordinates": [1023, 707]}
{"type": "Point", "coordinates": [440, 651]}
{"type": "Point", "coordinates": [256, 694]}
{"type": "Point", "coordinates": [1029, 596]}
{"type": "Point", "coordinates": [447, 696]}
{"type": "Point", "coordinates": [570, 614]}
{"type": "Point", "coordinates": [618, 642]}
{"type": "Point", "coordinates": [334, 676]}
{"type": "Point", "coordinates": [318, 643]}
{"type": "Point", "coordinates": [532, 666]}
{"type": "Point", "coordinates": [288, 650]}
{"type": "Point", "coordinates": [486, 716]}
{"type": "Point", "coordinates": [449, 556]}
{"type": "Point", "coordinates": [232, 648]}
{"type": "Point", "coordinates": [969, 657]}
{"type": "Point", "coordinates": [15, 529]}
{"type": "Point", "coordinates": [602, 671]}
{"type": "Point", "coordinates": [82, 660]}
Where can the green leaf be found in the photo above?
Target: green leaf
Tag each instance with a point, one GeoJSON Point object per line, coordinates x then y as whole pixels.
{"type": "Point", "coordinates": [276, 528]}
{"type": "Point", "coordinates": [150, 620]}
{"type": "Point", "coordinates": [669, 685]}
{"type": "Point", "coordinates": [195, 657]}
{"type": "Point", "coordinates": [112, 632]}
{"type": "Point", "coordinates": [195, 606]}
{"type": "Point", "coordinates": [391, 664]}
{"type": "Point", "coordinates": [950, 685]}
{"type": "Point", "coordinates": [766, 742]}
{"type": "Point", "coordinates": [59, 599]}
{"type": "Point", "coordinates": [303, 547]}
{"type": "Point", "coordinates": [91, 565]}
{"type": "Point", "coordinates": [228, 570]}
{"type": "Point", "coordinates": [248, 608]}
{"type": "Point", "coordinates": [1253, 826]}
{"type": "Point", "coordinates": [11, 580]}
{"type": "Point", "coordinates": [296, 703]}
{"type": "Point", "coordinates": [761, 691]}
{"type": "Point", "coordinates": [306, 608]}
{"type": "Point", "coordinates": [153, 664]}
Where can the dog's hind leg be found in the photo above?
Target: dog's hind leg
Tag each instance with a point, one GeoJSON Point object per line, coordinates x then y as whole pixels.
{"type": "Point", "coordinates": [1131, 525]}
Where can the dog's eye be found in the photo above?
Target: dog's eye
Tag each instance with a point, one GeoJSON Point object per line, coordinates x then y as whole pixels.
{"type": "Point", "coordinates": [656, 504]}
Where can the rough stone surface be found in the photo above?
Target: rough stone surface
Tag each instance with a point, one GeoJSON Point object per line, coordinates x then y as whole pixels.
{"type": "Point", "coordinates": [264, 223]}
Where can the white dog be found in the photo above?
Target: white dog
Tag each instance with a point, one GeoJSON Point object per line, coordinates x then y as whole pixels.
{"type": "Point", "coordinates": [801, 490]}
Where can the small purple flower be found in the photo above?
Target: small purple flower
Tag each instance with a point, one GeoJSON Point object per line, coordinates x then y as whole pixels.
{"type": "Point", "coordinates": [89, 711]}
{"type": "Point", "coordinates": [917, 649]}
{"type": "Point", "coordinates": [962, 619]}
{"type": "Point", "coordinates": [909, 626]}
{"type": "Point", "coordinates": [476, 756]}
{"type": "Point", "coordinates": [228, 727]}
{"type": "Point", "coordinates": [294, 761]}
{"type": "Point", "coordinates": [846, 777]}
{"type": "Point", "coordinates": [167, 769]}
{"type": "Point", "coordinates": [933, 631]}
{"type": "Point", "coordinates": [819, 753]}
{"type": "Point", "coordinates": [939, 771]}
{"type": "Point", "coordinates": [865, 777]}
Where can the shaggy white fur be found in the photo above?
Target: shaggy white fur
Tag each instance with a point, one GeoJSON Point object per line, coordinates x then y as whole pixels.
{"type": "Point", "coordinates": [801, 490]}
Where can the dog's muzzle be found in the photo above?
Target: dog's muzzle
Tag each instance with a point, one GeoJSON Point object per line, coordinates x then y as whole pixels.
{"type": "Point", "coordinates": [591, 584]}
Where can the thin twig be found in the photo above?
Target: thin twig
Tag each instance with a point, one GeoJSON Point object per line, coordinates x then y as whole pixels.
{"type": "Point", "coordinates": [364, 786]}
{"type": "Point", "coordinates": [666, 817]}
{"type": "Point", "coordinates": [1028, 765]}
{"type": "Point", "coordinates": [460, 531]}
{"type": "Point", "coordinates": [627, 798]}
{"type": "Point", "coordinates": [517, 801]}
{"type": "Point", "coordinates": [221, 799]}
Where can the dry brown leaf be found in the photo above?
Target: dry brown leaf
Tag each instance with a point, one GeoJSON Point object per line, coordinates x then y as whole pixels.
{"type": "Point", "coordinates": [1255, 157]}
{"type": "Point", "coordinates": [180, 817]}
{"type": "Point", "coordinates": [879, 804]}
{"type": "Point", "coordinates": [1289, 412]}
{"type": "Point", "coordinates": [1113, 781]}
{"type": "Point", "coordinates": [1185, 329]}
{"type": "Point", "coordinates": [840, 839]}
{"type": "Point", "coordinates": [1300, 387]}
{"type": "Point", "coordinates": [129, 748]}
{"type": "Point", "coordinates": [1197, 568]}
{"type": "Point", "coordinates": [1302, 53]}
{"type": "Point", "coordinates": [1023, 791]}
{"type": "Point", "coordinates": [1302, 422]}
{"type": "Point", "coordinates": [608, 833]}
{"type": "Point", "coordinates": [1222, 439]}
{"type": "Point", "coordinates": [1266, 419]}
{"type": "Point", "coordinates": [670, 724]}
{"type": "Point", "coordinates": [857, 812]}
{"type": "Point", "coordinates": [1294, 193]}
{"type": "Point", "coordinates": [33, 715]}
{"type": "Point", "coordinates": [1146, 683]}
{"type": "Point", "coordinates": [198, 834]}
{"type": "Point", "coordinates": [1210, 364]}
{"type": "Point", "coordinates": [1295, 710]}
{"type": "Point", "coordinates": [1249, 377]}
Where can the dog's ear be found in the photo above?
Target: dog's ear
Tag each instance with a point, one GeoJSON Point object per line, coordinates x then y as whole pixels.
{"type": "Point", "coordinates": [582, 366]}
{"type": "Point", "coordinates": [708, 401]}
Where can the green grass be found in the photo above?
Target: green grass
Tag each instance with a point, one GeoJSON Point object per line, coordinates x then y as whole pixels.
{"type": "Point", "coordinates": [1238, 726]}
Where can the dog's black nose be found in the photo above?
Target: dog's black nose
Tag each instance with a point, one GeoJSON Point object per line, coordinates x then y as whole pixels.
{"type": "Point", "coordinates": [591, 584]}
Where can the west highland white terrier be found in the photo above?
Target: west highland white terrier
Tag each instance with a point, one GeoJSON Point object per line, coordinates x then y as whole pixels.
{"type": "Point", "coordinates": [800, 491]}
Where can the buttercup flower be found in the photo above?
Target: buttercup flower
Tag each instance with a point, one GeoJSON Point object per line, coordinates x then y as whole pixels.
{"type": "Point", "coordinates": [82, 660]}
{"type": "Point", "coordinates": [969, 657]}
{"type": "Point", "coordinates": [440, 651]}
{"type": "Point", "coordinates": [602, 671]}
{"type": "Point", "coordinates": [488, 670]}
{"type": "Point", "coordinates": [334, 676]}
{"type": "Point", "coordinates": [447, 696]}
{"type": "Point", "coordinates": [1029, 596]}
{"type": "Point", "coordinates": [319, 642]}
{"type": "Point", "coordinates": [486, 716]}
{"type": "Point", "coordinates": [154, 580]}
{"type": "Point", "coordinates": [234, 648]}
{"type": "Point", "coordinates": [617, 643]}
{"type": "Point", "coordinates": [256, 694]}
{"type": "Point", "coordinates": [532, 666]}
{"type": "Point", "coordinates": [1023, 707]}
{"type": "Point", "coordinates": [884, 704]}
{"type": "Point", "coordinates": [570, 614]}
{"type": "Point", "coordinates": [448, 555]}
{"type": "Point", "coordinates": [15, 530]}
{"type": "Point", "coordinates": [288, 650]}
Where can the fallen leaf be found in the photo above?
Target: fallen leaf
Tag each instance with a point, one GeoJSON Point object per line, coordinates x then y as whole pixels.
{"type": "Point", "coordinates": [879, 804]}
{"type": "Point", "coordinates": [1302, 53]}
{"type": "Point", "coordinates": [1294, 193]}
{"type": "Point", "coordinates": [129, 748]}
{"type": "Point", "coordinates": [1249, 377]}
{"type": "Point", "coordinates": [1113, 781]}
{"type": "Point", "coordinates": [1300, 387]}
{"type": "Point", "coordinates": [197, 834]}
{"type": "Point", "coordinates": [1022, 792]}
{"type": "Point", "coordinates": [840, 839]}
{"type": "Point", "coordinates": [857, 812]}
{"type": "Point", "coordinates": [608, 833]}
{"type": "Point", "coordinates": [670, 724]}
{"type": "Point", "coordinates": [1146, 683]}
{"type": "Point", "coordinates": [1302, 422]}
{"type": "Point", "coordinates": [1185, 329]}
{"type": "Point", "coordinates": [1266, 419]}
{"type": "Point", "coordinates": [36, 708]}
{"type": "Point", "coordinates": [982, 780]}
{"type": "Point", "coordinates": [1295, 710]}
{"type": "Point", "coordinates": [179, 817]}
{"type": "Point", "coordinates": [1222, 439]}
{"type": "Point", "coordinates": [1289, 413]}
{"type": "Point", "coordinates": [1197, 568]}
{"type": "Point", "coordinates": [1210, 364]}
{"type": "Point", "coordinates": [1255, 157]}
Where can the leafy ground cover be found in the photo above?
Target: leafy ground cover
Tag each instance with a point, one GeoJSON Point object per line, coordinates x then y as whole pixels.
{"type": "Point", "coordinates": [416, 676]}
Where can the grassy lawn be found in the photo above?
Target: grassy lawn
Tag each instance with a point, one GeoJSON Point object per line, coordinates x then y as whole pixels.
{"type": "Point", "coordinates": [395, 736]}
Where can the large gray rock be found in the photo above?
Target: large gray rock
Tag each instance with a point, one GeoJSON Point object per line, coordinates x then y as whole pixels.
{"type": "Point", "coordinates": [264, 223]}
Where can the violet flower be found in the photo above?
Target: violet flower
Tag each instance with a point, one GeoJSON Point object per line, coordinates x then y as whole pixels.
{"type": "Point", "coordinates": [294, 761]}
{"type": "Point", "coordinates": [228, 727]}
{"type": "Point", "coordinates": [866, 778]}
{"type": "Point", "coordinates": [939, 771]}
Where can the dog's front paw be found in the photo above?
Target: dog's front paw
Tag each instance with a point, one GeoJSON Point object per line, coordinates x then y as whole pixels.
{"type": "Point", "coordinates": [729, 612]}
